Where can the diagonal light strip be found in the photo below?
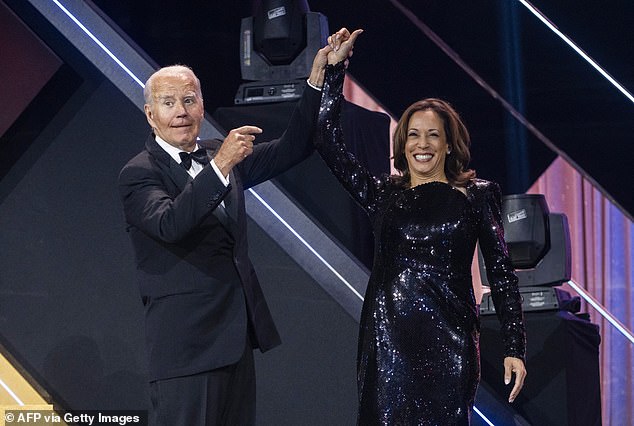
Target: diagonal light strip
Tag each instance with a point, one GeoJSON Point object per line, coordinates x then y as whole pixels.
{"type": "Point", "coordinates": [576, 48]}
{"type": "Point", "coordinates": [487, 421]}
{"type": "Point", "coordinates": [308, 246]}
{"type": "Point", "coordinates": [602, 310]}
{"type": "Point", "coordinates": [99, 43]}
{"type": "Point", "coordinates": [13, 395]}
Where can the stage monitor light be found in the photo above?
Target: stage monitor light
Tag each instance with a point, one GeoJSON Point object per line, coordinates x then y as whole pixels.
{"type": "Point", "coordinates": [538, 241]}
{"type": "Point", "coordinates": [278, 44]}
{"type": "Point", "coordinates": [525, 219]}
{"type": "Point", "coordinates": [279, 29]}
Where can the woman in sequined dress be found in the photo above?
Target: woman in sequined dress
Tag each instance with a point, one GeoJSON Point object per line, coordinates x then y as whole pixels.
{"type": "Point", "coordinates": [418, 357]}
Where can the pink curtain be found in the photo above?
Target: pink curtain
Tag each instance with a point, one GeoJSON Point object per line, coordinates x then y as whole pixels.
{"type": "Point", "coordinates": [602, 263]}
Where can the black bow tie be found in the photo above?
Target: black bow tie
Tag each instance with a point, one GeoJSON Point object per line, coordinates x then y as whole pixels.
{"type": "Point", "coordinates": [199, 156]}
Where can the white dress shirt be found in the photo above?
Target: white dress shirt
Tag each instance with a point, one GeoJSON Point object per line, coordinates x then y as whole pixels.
{"type": "Point", "coordinates": [196, 166]}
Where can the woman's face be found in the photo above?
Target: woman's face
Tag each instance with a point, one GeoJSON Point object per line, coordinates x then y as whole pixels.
{"type": "Point", "coordinates": [426, 147]}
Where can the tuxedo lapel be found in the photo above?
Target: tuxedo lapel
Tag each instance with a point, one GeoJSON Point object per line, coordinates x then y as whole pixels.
{"type": "Point", "coordinates": [221, 212]}
{"type": "Point", "coordinates": [179, 174]}
{"type": "Point", "coordinates": [232, 199]}
{"type": "Point", "coordinates": [224, 218]}
{"type": "Point", "coordinates": [164, 161]}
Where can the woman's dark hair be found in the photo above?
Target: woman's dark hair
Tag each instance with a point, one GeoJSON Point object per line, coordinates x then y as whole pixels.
{"type": "Point", "coordinates": [457, 139]}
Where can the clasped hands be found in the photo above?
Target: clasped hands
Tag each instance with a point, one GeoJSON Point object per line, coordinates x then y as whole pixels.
{"type": "Point", "coordinates": [340, 45]}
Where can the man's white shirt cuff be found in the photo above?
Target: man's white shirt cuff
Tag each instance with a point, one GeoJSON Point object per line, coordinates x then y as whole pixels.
{"type": "Point", "coordinates": [223, 179]}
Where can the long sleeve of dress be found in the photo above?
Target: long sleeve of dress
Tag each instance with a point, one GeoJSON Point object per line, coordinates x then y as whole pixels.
{"type": "Point", "coordinates": [354, 176]}
{"type": "Point", "coordinates": [503, 281]}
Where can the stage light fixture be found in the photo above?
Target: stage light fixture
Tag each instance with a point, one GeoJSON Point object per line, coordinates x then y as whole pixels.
{"type": "Point", "coordinates": [525, 219]}
{"type": "Point", "coordinates": [278, 44]}
{"type": "Point", "coordinates": [279, 32]}
{"type": "Point", "coordinates": [538, 242]}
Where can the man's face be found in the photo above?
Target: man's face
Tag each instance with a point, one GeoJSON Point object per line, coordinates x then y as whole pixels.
{"type": "Point", "coordinates": [176, 108]}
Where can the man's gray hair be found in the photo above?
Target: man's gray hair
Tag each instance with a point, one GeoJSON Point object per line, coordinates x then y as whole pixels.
{"type": "Point", "coordinates": [169, 70]}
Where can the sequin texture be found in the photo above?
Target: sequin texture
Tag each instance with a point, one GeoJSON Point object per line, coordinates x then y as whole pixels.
{"type": "Point", "coordinates": [418, 356]}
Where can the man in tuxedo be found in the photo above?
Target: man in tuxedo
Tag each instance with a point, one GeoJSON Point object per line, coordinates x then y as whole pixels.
{"type": "Point", "coordinates": [184, 205]}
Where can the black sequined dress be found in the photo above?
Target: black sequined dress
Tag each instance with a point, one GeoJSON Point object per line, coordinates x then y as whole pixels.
{"type": "Point", "coordinates": [418, 359]}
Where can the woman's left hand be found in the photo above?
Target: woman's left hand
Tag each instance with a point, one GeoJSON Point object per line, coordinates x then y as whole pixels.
{"type": "Point", "coordinates": [514, 365]}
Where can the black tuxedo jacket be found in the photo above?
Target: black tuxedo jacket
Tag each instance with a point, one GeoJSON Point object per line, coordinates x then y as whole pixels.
{"type": "Point", "coordinates": [197, 284]}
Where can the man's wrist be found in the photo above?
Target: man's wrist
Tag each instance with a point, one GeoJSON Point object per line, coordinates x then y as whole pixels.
{"type": "Point", "coordinates": [313, 85]}
{"type": "Point", "coordinates": [218, 168]}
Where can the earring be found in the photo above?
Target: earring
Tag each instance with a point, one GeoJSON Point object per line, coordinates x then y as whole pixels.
{"type": "Point", "coordinates": [448, 151]}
